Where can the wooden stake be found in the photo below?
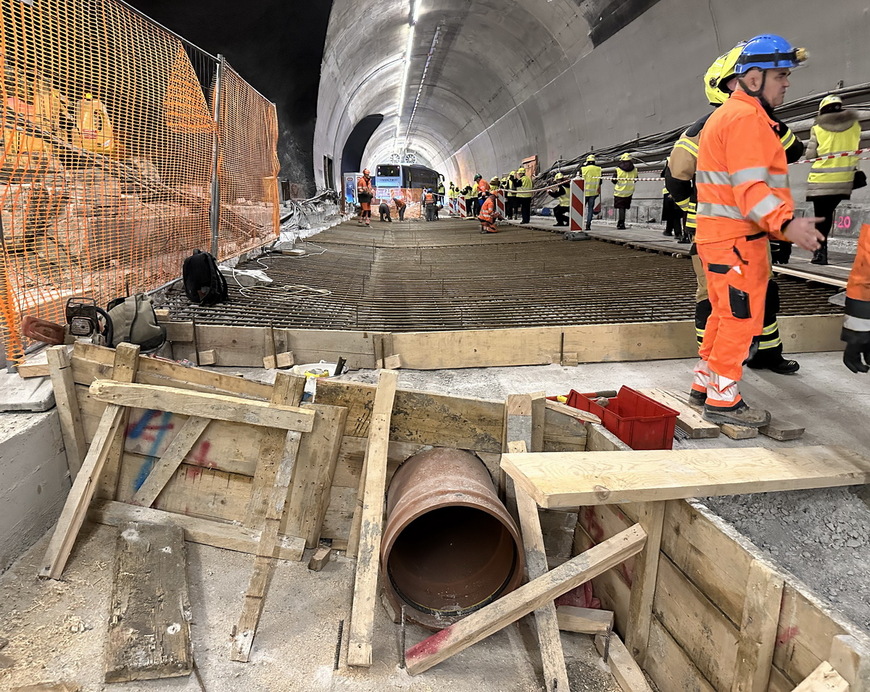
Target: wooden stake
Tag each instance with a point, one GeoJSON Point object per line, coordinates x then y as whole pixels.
{"type": "Point", "coordinates": [125, 369]}
{"type": "Point", "coordinates": [74, 440]}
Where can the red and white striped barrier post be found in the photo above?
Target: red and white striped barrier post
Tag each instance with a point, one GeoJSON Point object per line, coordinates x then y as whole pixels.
{"type": "Point", "coordinates": [462, 211]}
{"type": "Point", "coordinates": [575, 212]}
{"type": "Point", "coordinates": [499, 203]}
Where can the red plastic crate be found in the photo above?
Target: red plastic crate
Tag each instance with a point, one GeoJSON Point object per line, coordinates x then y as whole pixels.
{"type": "Point", "coordinates": [637, 420]}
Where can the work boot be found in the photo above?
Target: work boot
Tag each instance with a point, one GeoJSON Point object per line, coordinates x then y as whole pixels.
{"type": "Point", "coordinates": [697, 399]}
{"type": "Point", "coordinates": [666, 233]}
{"type": "Point", "coordinates": [741, 414]}
{"type": "Point", "coordinates": [820, 256]}
{"type": "Point", "coordinates": [588, 227]}
{"type": "Point", "coordinates": [780, 365]}
{"type": "Point", "coordinates": [684, 240]}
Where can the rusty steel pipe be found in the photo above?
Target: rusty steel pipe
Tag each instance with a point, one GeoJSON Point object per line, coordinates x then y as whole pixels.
{"type": "Point", "coordinates": [449, 547]}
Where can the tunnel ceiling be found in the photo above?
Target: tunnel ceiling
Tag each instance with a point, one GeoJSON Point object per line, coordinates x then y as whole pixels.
{"type": "Point", "coordinates": [490, 82]}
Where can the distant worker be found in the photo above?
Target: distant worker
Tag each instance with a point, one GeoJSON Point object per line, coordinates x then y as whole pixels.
{"type": "Point", "coordinates": [831, 180]}
{"type": "Point", "coordinates": [623, 190]}
{"type": "Point", "coordinates": [672, 215]}
{"type": "Point", "coordinates": [441, 190]}
{"type": "Point", "coordinates": [856, 325]}
{"type": "Point", "coordinates": [719, 82]}
{"type": "Point", "coordinates": [510, 202]}
{"type": "Point", "coordinates": [563, 195]}
{"type": "Point", "coordinates": [743, 197]}
{"type": "Point", "coordinates": [523, 186]}
{"type": "Point", "coordinates": [489, 214]}
{"type": "Point", "coordinates": [591, 173]}
{"type": "Point", "coordinates": [384, 211]}
{"type": "Point", "coordinates": [482, 191]}
{"type": "Point", "coordinates": [452, 194]}
{"type": "Point", "coordinates": [470, 194]}
{"type": "Point", "coordinates": [400, 207]}
{"type": "Point", "coordinates": [365, 193]}
{"type": "Point", "coordinates": [430, 204]}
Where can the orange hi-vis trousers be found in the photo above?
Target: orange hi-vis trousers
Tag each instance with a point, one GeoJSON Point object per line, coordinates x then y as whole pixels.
{"type": "Point", "coordinates": [737, 271]}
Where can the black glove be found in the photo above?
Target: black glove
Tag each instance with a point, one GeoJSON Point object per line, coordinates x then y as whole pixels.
{"type": "Point", "coordinates": [856, 355]}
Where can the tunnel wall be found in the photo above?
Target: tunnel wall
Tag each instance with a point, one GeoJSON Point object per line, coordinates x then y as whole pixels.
{"type": "Point", "coordinates": [510, 80]}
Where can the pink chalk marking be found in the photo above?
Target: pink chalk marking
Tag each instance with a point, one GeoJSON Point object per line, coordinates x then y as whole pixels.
{"type": "Point", "coordinates": [430, 646]}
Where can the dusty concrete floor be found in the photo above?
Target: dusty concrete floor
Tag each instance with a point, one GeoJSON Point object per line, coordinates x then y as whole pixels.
{"type": "Point", "coordinates": [57, 631]}
{"type": "Point", "coordinates": [820, 536]}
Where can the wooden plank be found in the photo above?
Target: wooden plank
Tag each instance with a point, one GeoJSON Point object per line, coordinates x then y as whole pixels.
{"type": "Point", "coordinates": [584, 620]}
{"type": "Point", "coordinates": [600, 439]}
{"type": "Point", "coordinates": [823, 679]}
{"type": "Point", "coordinates": [566, 410]}
{"type": "Point", "coordinates": [669, 666]}
{"type": "Point", "coordinates": [552, 656]}
{"type": "Point", "coordinates": [282, 360]}
{"type": "Point", "coordinates": [125, 366]}
{"type": "Point", "coordinates": [609, 587]}
{"type": "Point", "coordinates": [207, 357]}
{"type": "Point", "coordinates": [229, 536]}
{"type": "Point", "coordinates": [421, 417]}
{"type": "Point", "coordinates": [493, 617]}
{"type": "Point", "coordinates": [738, 432]}
{"type": "Point", "coordinates": [313, 474]}
{"type": "Point", "coordinates": [689, 420]}
{"type": "Point", "coordinates": [563, 433]}
{"type": "Point", "coordinates": [287, 391]}
{"type": "Point", "coordinates": [73, 514]}
{"type": "Point", "coordinates": [643, 585]}
{"type": "Point", "coordinates": [362, 619]}
{"type": "Point", "coordinates": [319, 559]}
{"type": "Point", "coordinates": [170, 461]}
{"type": "Point", "coordinates": [851, 659]}
{"type": "Point", "coordinates": [781, 430]}
{"type": "Point", "coordinates": [267, 550]}
{"type": "Point", "coordinates": [190, 403]}
{"type": "Point", "coordinates": [758, 629]}
{"type": "Point", "coordinates": [68, 410]}
{"type": "Point", "coordinates": [149, 621]}
{"type": "Point", "coordinates": [623, 667]}
{"type": "Point", "coordinates": [569, 479]}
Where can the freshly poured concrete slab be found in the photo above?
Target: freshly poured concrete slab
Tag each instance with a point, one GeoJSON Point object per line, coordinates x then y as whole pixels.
{"type": "Point", "coordinates": [568, 479]}
{"type": "Point", "coordinates": [33, 394]}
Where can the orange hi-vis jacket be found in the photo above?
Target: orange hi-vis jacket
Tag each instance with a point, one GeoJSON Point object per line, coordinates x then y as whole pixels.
{"type": "Point", "coordinates": [488, 210]}
{"type": "Point", "coordinates": [858, 288]}
{"type": "Point", "coordinates": [742, 174]}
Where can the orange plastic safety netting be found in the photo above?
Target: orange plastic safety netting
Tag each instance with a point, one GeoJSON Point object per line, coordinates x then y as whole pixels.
{"type": "Point", "coordinates": [107, 153]}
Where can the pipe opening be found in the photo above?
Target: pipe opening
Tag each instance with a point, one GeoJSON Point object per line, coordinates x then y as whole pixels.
{"type": "Point", "coordinates": [452, 561]}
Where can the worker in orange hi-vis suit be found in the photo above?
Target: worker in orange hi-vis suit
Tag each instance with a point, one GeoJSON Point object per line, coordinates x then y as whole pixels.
{"type": "Point", "coordinates": [743, 199]}
{"type": "Point", "coordinates": [365, 193]}
{"type": "Point", "coordinates": [856, 325]}
{"type": "Point", "coordinates": [489, 215]}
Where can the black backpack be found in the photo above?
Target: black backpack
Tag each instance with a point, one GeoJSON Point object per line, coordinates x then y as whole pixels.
{"type": "Point", "coordinates": [203, 281]}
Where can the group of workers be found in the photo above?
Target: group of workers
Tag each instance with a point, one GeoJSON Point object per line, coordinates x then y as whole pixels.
{"type": "Point", "coordinates": [729, 173]}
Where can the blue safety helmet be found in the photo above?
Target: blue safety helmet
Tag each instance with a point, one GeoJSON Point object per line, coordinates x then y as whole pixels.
{"type": "Point", "coordinates": [769, 52]}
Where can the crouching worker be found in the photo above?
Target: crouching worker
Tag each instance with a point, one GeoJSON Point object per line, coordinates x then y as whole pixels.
{"type": "Point", "coordinates": [489, 214]}
{"type": "Point", "coordinates": [384, 211]}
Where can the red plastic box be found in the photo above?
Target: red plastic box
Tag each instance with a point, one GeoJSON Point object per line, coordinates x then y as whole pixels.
{"type": "Point", "coordinates": [637, 420]}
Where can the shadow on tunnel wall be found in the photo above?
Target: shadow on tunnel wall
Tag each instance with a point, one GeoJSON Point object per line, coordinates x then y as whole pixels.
{"type": "Point", "coordinates": [351, 155]}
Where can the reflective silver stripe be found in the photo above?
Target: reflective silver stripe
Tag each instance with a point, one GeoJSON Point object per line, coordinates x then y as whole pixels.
{"type": "Point", "coordinates": [764, 207]}
{"type": "Point", "coordinates": [714, 177]}
{"type": "Point", "coordinates": [833, 169]}
{"type": "Point", "coordinates": [688, 144]}
{"type": "Point", "coordinates": [787, 139]}
{"type": "Point", "coordinates": [856, 324]}
{"type": "Point", "coordinates": [725, 211]}
{"type": "Point", "coordinates": [769, 329]}
{"type": "Point", "coordinates": [749, 175]}
{"type": "Point", "coordinates": [778, 180]}
{"type": "Point", "coordinates": [770, 344]}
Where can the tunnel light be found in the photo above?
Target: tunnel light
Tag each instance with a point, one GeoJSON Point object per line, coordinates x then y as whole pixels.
{"type": "Point", "coordinates": [415, 13]}
{"type": "Point", "coordinates": [409, 46]}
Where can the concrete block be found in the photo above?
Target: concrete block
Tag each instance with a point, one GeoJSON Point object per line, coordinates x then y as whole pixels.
{"type": "Point", "coordinates": [32, 394]}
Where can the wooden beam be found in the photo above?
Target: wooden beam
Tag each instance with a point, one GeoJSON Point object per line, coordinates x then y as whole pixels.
{"type": "Point", "coordinates": [73, 514]}
{"type": "Point", "coordinates": [169, 462]}
{"type": "Point", "coordinates": [689, 420]}
{"type": "Point", "coordinates": [149, 619]}
{"type": "Point", "coordinates": [851, 659]}
{"type": "Point", "coordinates": [287, 391]}
{"type": "Point", "coordinates": [559, 407]}
{"type": "Point", "coordinates": [190, 403]}
{"type": "Point", "coordinates": [644, 579]}
{"type": "Point", "coordinates": [125, 366]}
{"type": "Point", "coordinates": [738, 432]}
{"type": "Point", "coordinates": [584, 620]}
{"type": "Point", "coordinates": [267, 550]}
{"type": "Point", "coordinates": [217, 534]}
{"type": "Point", "coordinates": [568, 479]}
{"type": "Point", "coordinates": [68, 409]}
{"type": "Point", "coordinates": [758, 629]}
{"type": "Point", "coordinates": [623, 667]}
{"type": "Point", "coordinates": [524, 600]}
{"type": "Point", "coordinates": [319, 559]}
{"type": "Point", "coordinates": [823, 679]}
{"type": "Point", "coordinates": [362, 619]}
{"type": "Point", "coordinates": [781, 430]}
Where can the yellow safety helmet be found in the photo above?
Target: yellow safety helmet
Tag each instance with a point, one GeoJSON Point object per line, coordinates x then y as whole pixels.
{"type": "Point", "coordinates": [495, 181]}
{"type": "Point", "coordinates": [512, 173]}
{"type": "Point", "coordinates": [558, 176]}
{"type": "Point", "coordinates": [831, 100]}
{"type": "Point", "coordinates": [625, 157]}
{"type": "Point", "coordinates": [719, 73]}
{"type": "Point", "coordinates": [521, 170]}
{"type": "Point", "coordinates": [590, 158]}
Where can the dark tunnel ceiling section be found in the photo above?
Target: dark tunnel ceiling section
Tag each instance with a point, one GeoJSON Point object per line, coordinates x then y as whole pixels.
{"type": "Point", "coordinates": [608, 17]}
{"type": "Point", "coordinates": [351, 157]}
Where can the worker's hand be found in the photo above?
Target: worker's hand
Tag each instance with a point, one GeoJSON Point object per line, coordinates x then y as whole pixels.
{"type": "Point", "coordinates": [856, 355]}
{"type": "Point", "coordinates": [804, 234]}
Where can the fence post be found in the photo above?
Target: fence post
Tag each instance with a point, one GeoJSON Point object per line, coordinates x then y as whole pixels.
{"type": "Point", "coordinates": [10, 359]}
{"type": "Point", "coordinates": [214, 213]}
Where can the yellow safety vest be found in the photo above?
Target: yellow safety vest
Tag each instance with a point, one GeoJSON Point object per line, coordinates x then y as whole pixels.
{"type": "Point", "coordinates": [591, 180]}
{"type": "Point", "coordinates": [525, 187]}
{"type": "Point", "coordinates": [565, 199]}
{"type": "Point", "coordinates": [841, 169]}
{"type": "Point", "coordinates": [624, 183]}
